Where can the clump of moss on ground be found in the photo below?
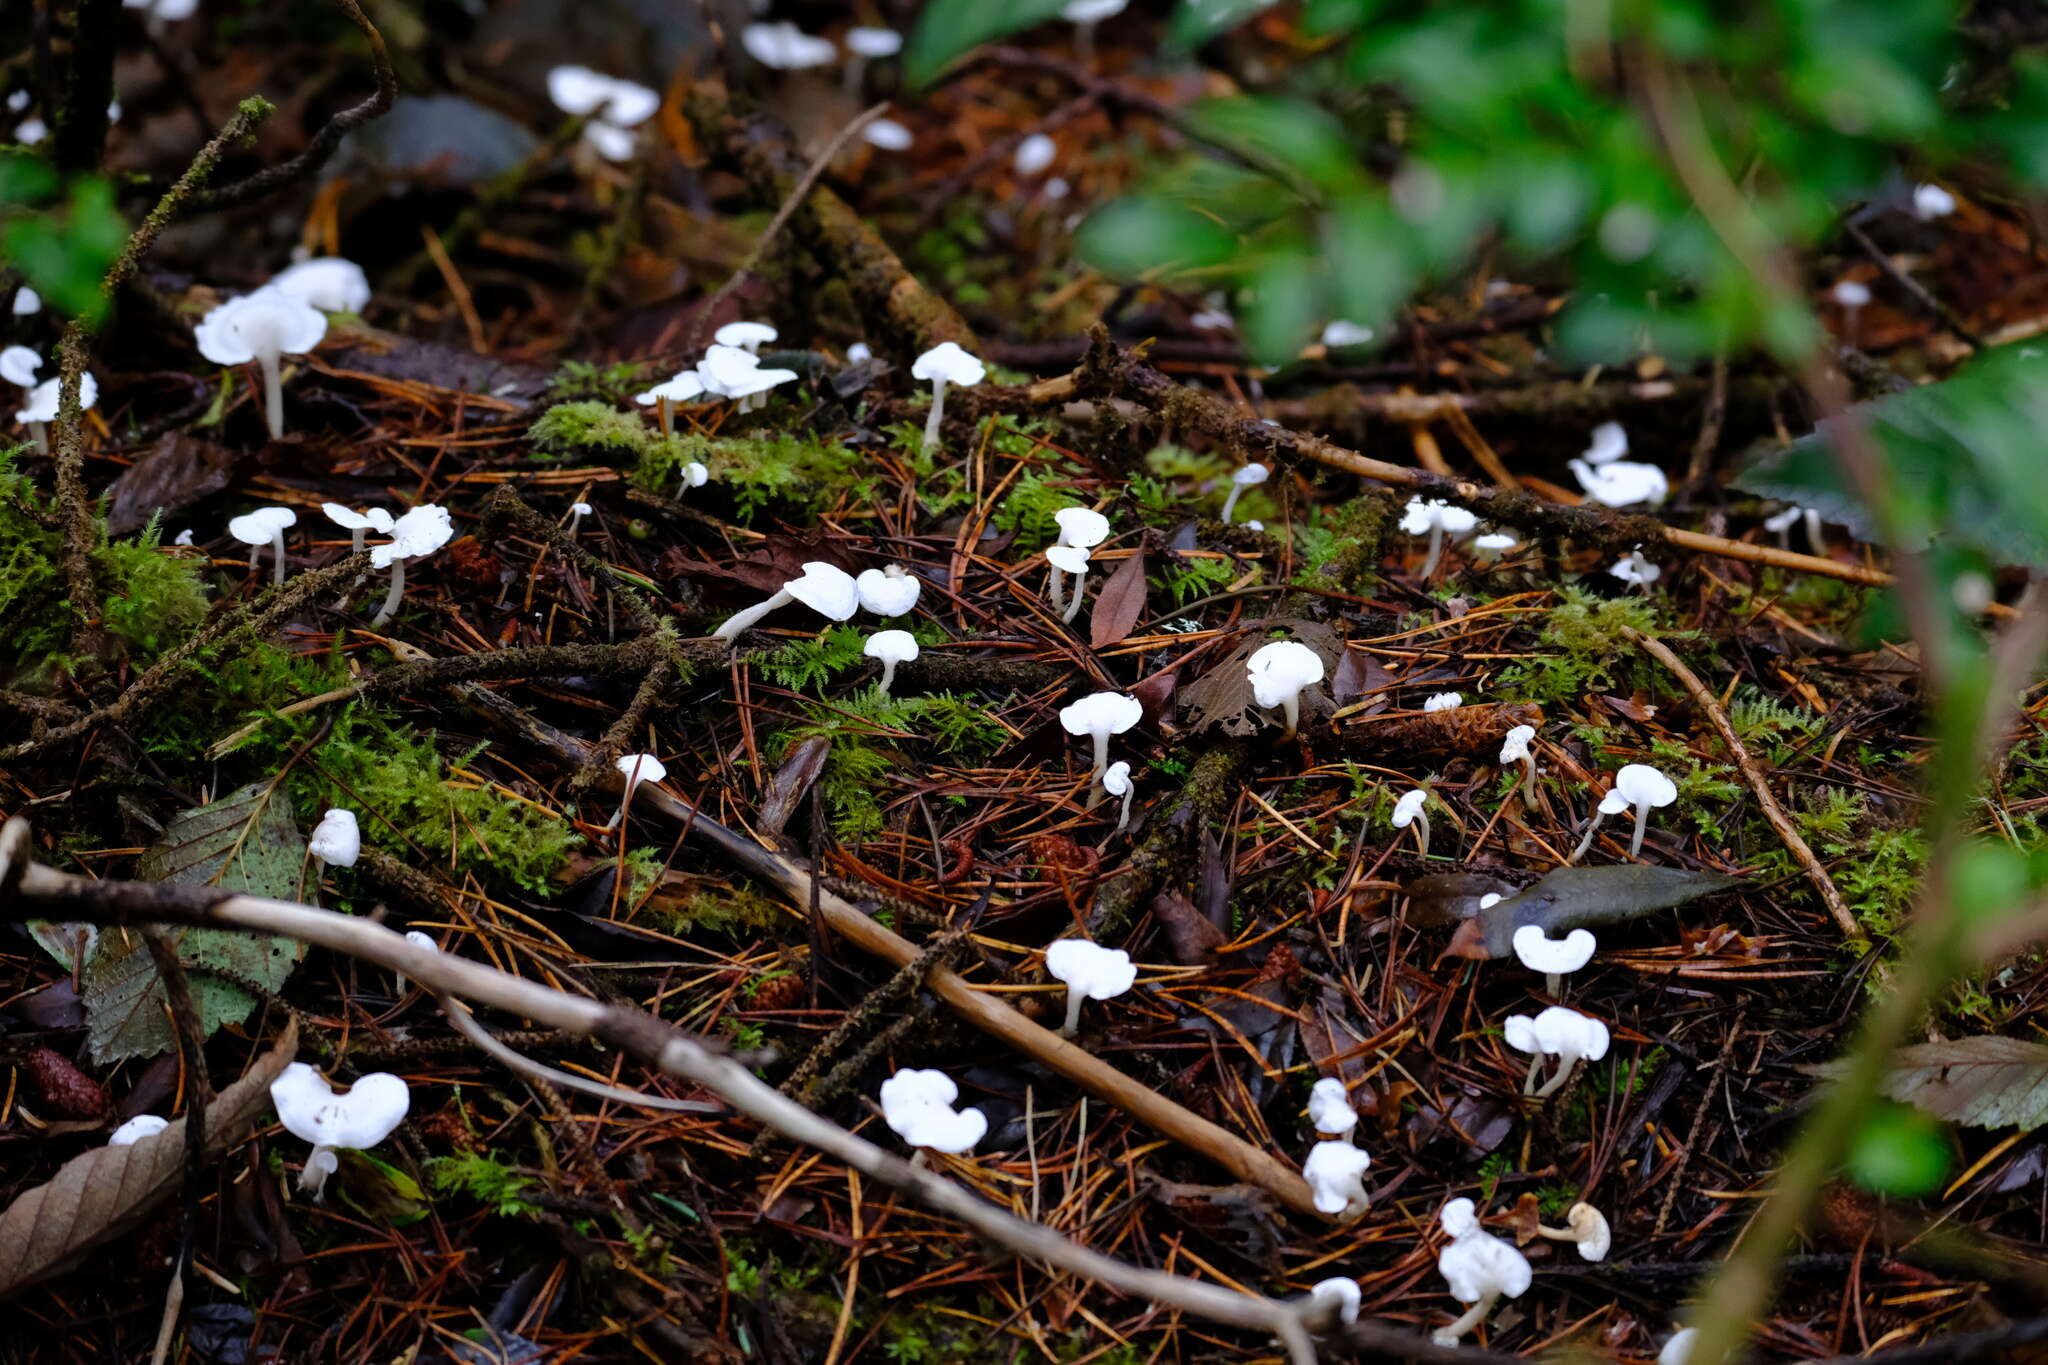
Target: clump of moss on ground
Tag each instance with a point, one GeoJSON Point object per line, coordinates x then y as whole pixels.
{"type": "Point", "coordinates": [1582, 647]}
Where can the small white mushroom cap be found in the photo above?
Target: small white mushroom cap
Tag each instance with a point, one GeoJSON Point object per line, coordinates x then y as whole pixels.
{"type": "Point", "coordinates": [1116, 778]}
{"type": "Point", "coordinates": [1495, 541]}
{"type": "Point", "coordinates": [1408, 807]}
{"type": "Point", "coordinates": [680, 387]}
{"type": "Point", "coordinates": [613, 143]}
{"type": "Point", "coordinates": [1335, 1172]}
{"type": "Point", "coordinates": [1250, 475]}
{"type": "Point", "coordinates": [1281, 670]}
{"type": "Point", "coordinates": [1034, 154]}
{"type": "Point", "coordinates": [579, 90]}
{"type": "Point", "coordinates": [1444, 701]}
{"type": "Point", "coordinates": [1421, 516]}
{"type": "Point", "coordinates": [748, 336]}
{"type": "Point", "coordinates": [1515, 747]}
{"type": "Point", "coordinates": [30, 131]}
{"type": "Point", "coordinates": [311, 1111]}
{"type": "Point", "coordinates": [1639, 783]}
{"type": "Point", "coordinates": [891, 646]}
{"type": "Point", "coordinates": [420, 939]}
{"type": "Point", "coordinates": [731, 372]}
{"type": "Point", "coordinates": [1557, 1032]}
{"type": "Point", "coordinates": [1851, 293]}
{"type": "Point", "coordinates": [581, 509]}
{"type": "Point", "coordinates": [918, 1105]}
{"type": "Point", "coordinates": [1622, 483]}
{"type": "Point", "coordinates": [1635, 569]}
{"type": "Point", "coordinates": [695, 475]}
{"type": "Point", "coordinates": [1067, 558]}
{"type": "Point", "coordinates": [1539, 952]}
{"type": "Point", "coordinates": [43, 399]}
{"type": "Point", "coordinates": [786, 47]}
{"type": "Point", "coordinates": [337, 840]}
{"type": "Point", "coordinates": [1932, 201]}
{"type": "Point", "coordinates": [638, 768]}
{"type": "Point", "coordinates": [1678, 1350]}
{"type": "Point", "coordinates": [261, 526]}
{"type": "Point", "coordinates": [826, 589]}
{"type": "Point", "coordinates": [1610, 443]}
{"type": "Point", "coordinates": [1329, 1107]}
{"type": "Point", "coordinates": [1476, 1264]}
{"type": "Point", "coordinates": [421, 531]}
{"type": "Point", "coordinates": [235, 332]}
{"type": "Point", "coordinates": [1341, 1293]}
{"type": "Point", "coordinates": [1107, 713]}
{"type": "Point", "coordinates": [1091, 11]}
{"type": "Point", "coordinates": [888, 592]}
{"type": "Point", "coordinates": [1596, 1238]}
{"type": "Point", "coordinates": [136, 1129]}
{"type": "Point", "coordinates": [1096, 972]}
{"type": "Point", "coordinates": [348, 519]}
{"type": "Point", "coordinates": [1345, 333]}
{"type": "Point", "coordinates": [1081, 526]}
{"type": "Point", "coordinates": [1614, 803]}
{"type": "Point", "coordinates": [329, 283]}
{"type": "Point", "coordinates": [874, 42]}
{"type": "Point", "coordinates": [948, 362]}
{"type": "Point", "coordinates": [912, 1087]}
{"type": "Point", "coordinates": [18, 366]}
{"type": "Point", "coordinates": [888, 134]}
{"type": "Point", "coordinates": [858, 352]}
{"type": "Point", "coordinates": [27, 301]}
{"type": "Point", "coordinates": [1781, 522]}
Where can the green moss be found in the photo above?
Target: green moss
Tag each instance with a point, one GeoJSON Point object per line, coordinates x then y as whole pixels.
{"type": "Point", "coordinates": [1582, 649]}
{"type": "Point", "coordinates": [791, 472]}
{"type": "Point", "coordinates": [866, 729]}
{"type": "Point", "coordinates": [589, 425]}
{"type": "Point", "coordinates": [152, 599]}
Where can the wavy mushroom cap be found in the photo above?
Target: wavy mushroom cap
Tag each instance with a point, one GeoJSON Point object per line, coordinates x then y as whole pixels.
{"type": "Point", "coordinates": [421, 531]}
{"type": "Point", "coordinates": [1116, 778]}
{"type": "Point", "coordinates": [580, 90]}
{"type": "Point", "coordinates": [949, 362]}
{"type": "Point", "coordinates": [888, 592]}
{"type": "Point", "coordinates": [18, 366]}
{"type": "Point", "coordinates": [312, 1111]}
{"type": "Point", "coordinates": [348, 519]}
{"type": "Point", "coordinates": [1539, 952]}
{"type": "Point", "coordinates": [1341, 1293]}
{"type": "Point", "coordinates": [1067, 558]}
{"type": "Point", "coordinates": [329, 283]}
{"type": "Point", "coordinates": [337, 840]}
{"type": "Point", "coordinates": [826, 589]}
{"type": "Point", "coordinates": [1622, 483]}
{"type": "Point", "coordinates": [785, 47]}
{"type": "Point", "coordinates": [1423, 515]}
{"type": "Point", "coordinates": [911, 1087]}
{"type": "Point", "coordinates": [1083, 527]}
{"type": "Point", "coordinates": [45, 399]}
{"type": "Point", "coordinates": [1329, 1107]}
{"type": "Point", "coordinates": [1444, 701]}
{"type": "Point", "coordinates": [1408, 807]}
{"type": "Point", "coordinates": [1281, 670]}
{"type": "Point", "coordinates": [1477, 1265]}
{"type": "Point", "coordinates": [1104, 712]}
{"type": "Point", "coordinates": [1095, 971]}
{"type": "Point", "coordinates": [680, 387]}
{"type": "Point", "coordinates": [261, 526]}
{"type": "Point", "coordinates": [1557, 1032]}
{"type": "Point", "coordinates": [637, 768]}
{"type": "Point", "coordinates": [1609, 443]}
{"type": "Point", "coordinates": [1514, 747]}
{"type": "Point", "coordinates": [1335, 1172]}
{"type": "Point", "coordinates": [236, 332]}
{"type": "Point", "coordinates": [745, 335]}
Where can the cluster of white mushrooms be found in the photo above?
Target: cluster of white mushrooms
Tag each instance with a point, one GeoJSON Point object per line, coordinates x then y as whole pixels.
{"type": "Point", "coordinates": [18, 366]}
{"type": "Point", "coordinates": [286, 317]}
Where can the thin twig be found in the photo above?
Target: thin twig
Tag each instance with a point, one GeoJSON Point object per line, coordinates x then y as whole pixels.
{"type": "Point", "coordinates": [466, 1024]}
{"type": "Point", "coordinates": [1917, 290]}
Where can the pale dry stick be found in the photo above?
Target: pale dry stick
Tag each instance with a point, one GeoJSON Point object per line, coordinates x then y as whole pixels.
{"type": "Point", "coordinates": [29, 890]}
{"type": "Point", "coordinates": [518, 1062]}
{"type": "Point", "coordinates": [1759, 781]}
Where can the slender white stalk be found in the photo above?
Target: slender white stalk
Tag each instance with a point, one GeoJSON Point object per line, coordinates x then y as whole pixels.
{"type": "Point", "coordinates": [739, 621]}
{"type": "Point", "coordinates": [1074, 603]}
{"type": "Point", "coordinates": [273, 392]}
{"type": "Point", "coordinates": [39, 432]}
{"type": "Point", "coordinates": [1101, 738]}
{"type": "Point", "coordinates": [1564, 1069]}
{"type": "Point", "coordinates": [1422, 833]}
{"type": "Point", "coordinates": [1055, 585]}
{"type": "Point", "coordinates": [1473, 1316]}
{"type": "Point", "coordinates": [1592, 827]}
{"type": "Point", "coordinates": [277, 556]}
{"type": "Point", "coordinates": [1635, 845]}
{"type": "Point", "coordinates": [391, 598]}
{"type": "Point", "coordinates": [931, 423]}
{"type": "Point", "coordinates": [888, 675]}
{"type": "Point", "coordinates": [1290, 711]}
{"type": "Point", "coordinates": [1529, 779]}
{"type": "Point", "coordinates": [1230, 503]}
{"type": "Point", "coordinates": [1073, 1024]}
{"type": "Point", "coordinates": [1124, 820]}
{"type": "Point", "coordinates": [1436, 549]}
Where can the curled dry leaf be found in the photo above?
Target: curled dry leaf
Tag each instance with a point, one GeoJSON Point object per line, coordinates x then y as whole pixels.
{"type": "Point", "coordinates": [99, 1195]}
{"type": "Point", "coordinates": [1988, 1082]}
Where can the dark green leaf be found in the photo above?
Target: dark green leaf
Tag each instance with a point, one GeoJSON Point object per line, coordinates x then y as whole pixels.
{"type": "Point", "coordinates": [1197, 21]}
{"type": "Point", "coordinates": [949, 29]}
{"type": "Point", "coordinates": [1588, 897]}
{"type": "Point", "coordinates": [1898, 1152]}
{"type": "Point", "coordinates": [1143, 234]}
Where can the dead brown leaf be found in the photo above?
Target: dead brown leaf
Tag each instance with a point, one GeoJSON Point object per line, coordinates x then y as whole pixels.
{"type": "Point", "coordinates": [1119, 605]}
{"type": "Point", "coordinates": [1190, 935]}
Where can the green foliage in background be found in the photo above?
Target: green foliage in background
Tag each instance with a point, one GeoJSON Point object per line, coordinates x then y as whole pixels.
{"type": "Point", "coordinates": [60, 237]}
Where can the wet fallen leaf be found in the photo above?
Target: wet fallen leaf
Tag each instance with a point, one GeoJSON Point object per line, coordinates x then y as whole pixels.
{"type": "Point", "coordinates": [1192, 938]}
{"type": "Point", "coordinates": [169, 476]}
{"type": "Point", "coordinates": [1119, 605]}
{"type": "Point", "coordinates": [1446, 898]}
{"type": "Point", "coordinates": [1988, 1082]}
{"type": "Point", "coordinates": [1585, 898]}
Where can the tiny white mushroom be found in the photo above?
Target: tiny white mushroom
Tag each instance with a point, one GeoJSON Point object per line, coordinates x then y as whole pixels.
{"type": "Point", "coordinates": [1586, 1226]}
{"type": "Point", "coordinates": [785, 47]}
{"type": "Point", "coordinates": [1478, 1267]}
{"type": "Point", "coordinates": [264, 327]}
{"type": "Point", "coordinates": [1557, 1032]}
{"type": "Point", "coordinates": [889, 591]}
{"type": "Point", "coordinates": [748, 336]}
{"type": "Point", "coordinates": [329, 283]}
{"type": "Point", "coordinates": [614, 106]}
{"type": "Point", "coordinates": [18, 366]}
{"type": "Point", "coordinates": [1034, 154]}
{"type": "Point", "coordinates": [1493, 544]}
{"type": "Point", "coordinates": [680, 387]}
{"type": "Point", "coordinates": [27, 302]}
{"type": "Point", "coordinates": [943, 365]}
{"type": "Point", "coordinates": [635, 768]}
{"type": "Point", "coordinates": [1090, 972]}
{"type": "Point", "coordinates": [1609, 443]}
{"type": "Point", "coordinates": [1515, 749]}
{"type": "Point", "coordinates": [889, 135]}
{"type": "Point", "coordinates": [1436, 518]}
{"type": "Point", "coordinates": [1064, 560]}
{"type": "Point", "coordinates": [1931, 202]}
{"type": "Point", "coordinates": [264, 526]}
{"type": "Point", "coordinates": [918, 1106]}
{"type": "Point", "coordinates": [1408, 811]}
{"type": "Point", "coordinates": [1335, 1172]}
{"type": "Point", "coordinates": [337, 841]}
{"type": "Point", "coordinates": [1635, 570]}
{"type": "Point", "coordinates": [869, 44]}
{"type": "Point", "coordinates": [1553, 957]}
{"type": "Point", "coordinates": [1098, 716]}
{"type": "Point", "coordinates": [1245, 476]}
{"type": "Point", "coordinates": [1279, 673]}
{"type": "Point", "coordinates": [1678, 1350]}
{"type": "Point", "coordinates": [731, 372]}
{"type": "Point", "coordinates": [45, 402]}
{"type": "Point", "coordinates": [417, 940]}
{"type": "Point", "coordinates": [577, 512]}
{"type": "Point", "coordinates": [1641, 786]}
{"type": "Point", "coordinates": [824, 588]}
{"type": "Point", "coordinates": [361, 1118]}
{"type": "Point", "coordinates": [1339, 1295]}
{"type": "Point", "coordinates": [1850, 296]}
{"type": "Point", "coordinates": [420, 532]}
{"type": "Point", "coordinates": [1342, 332]}
{"type": "Point", "coordinates": [1622, 483]}
{"type": "Point", "coordinates": [892, 647]}
{"type": "Point", "coordinates": [136, 1129]}
{"type": "Point", "coordinates": [1116, 780]}
{"type": "Point", "coordinates": [1081, 526]}
{"type": "Point", "coordinates": [356, 523]}
{"type": "Point", "coordinates": [695, 475]}
{"type": "Point", "coordinates": [1444, 701]}
{"type": "Point", "coordinates": [1329, 1107]}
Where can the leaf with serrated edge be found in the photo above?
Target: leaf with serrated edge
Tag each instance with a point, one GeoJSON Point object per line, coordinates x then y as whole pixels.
{"type": "Point", "coordinates": [1978, 1082]}
{"type": "Point", "coordinates": [97, 1196]}
{"type": "Point", "coordinates": [245, 842]}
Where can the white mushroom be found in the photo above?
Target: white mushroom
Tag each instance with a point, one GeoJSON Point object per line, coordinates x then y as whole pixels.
{"type": "Point", "coordinates": [361, 1118]}
{"type": "Point", "coordinates": [1782, 524]}
{"type": "Point", "coordinates": [1586, 1226]}
{"type": "Point", "coordinates": [1064, 560]}
{"type": "Point", "coordinates": [337, 841]}
{"type": "Point", "coordinates": [918, 1105]}
{"type": "Point", "coordinates": [1340, 1296]}
{"type": "Point", "coordinates": [1609, 443]}
{"type": "Point", "coordinates": [1329, 1107]}
{"type": "Point", "coordinates": [417, 533]}
{"type": "Point", "coordinates": [1553, 957]}
{"type": "Point", "coordinates": [1622, 483]}
{"type": "Point", "coordinates": [264, 327]}
{"type": "Point", "coordinates": [635, 768]}
{"type": "Point", "coordinates": [731, 372]}
{"type": "Point", "coordinates": [889, 135]}
{"type": "Point", "coordinates": [943, 365]}
{"type": "Point", "coordinates": [1678, 1350]}
{"type": "Point", "coordinates": [18, 366]}
{"type": "Point", "coordinates": [748, 336]}
{"type": "Point", "coordinates": [1408, 811]}
{"type": "Point", "coordinates": [695, 475]}
{"type": "Point", "coordinates": [329, 283]}
{"type": "Point", "coordinates": [1931, 202]}
{"type": "Point", "coordinates": [1341, 332]}
{"type": "Point", "coordinates": [785, 47]}
{"type": "Point", "coordinates": [1444, 701]}
{"type": "Point", "coordinates": [680, 387]}
{"type": "Point", "coordinates": [577, 512]}
{"type": "Point", "coordinates": [417, 940]}
{"type": "Point", "coordinates": [1493, 544]}
{"type": "Point", "coordinates": [892, 647]}
{"type": "Point", "coordinates": [1335, 1172]}
{"type": "Point", "coordinates": [44, 403]}
{"type": "Point", "coordinates": [1245, 476]}
{"type": "Point", "coordinates": [890, 591]}
{"type": "Point", "coordinates": [1850, 296]}
{"type": "Point", "coordinates": [615, 107]}
{"type": "Point", "coordinates": [824, 588]}
{"type": "Point", "coordinates": [869, 44]}
{"type": "Point", "coordinates": [1034, 154]}
{"type": "Point", "coordinates": [1515, 749]}
{"type": "Point", "coordinates": [1478, 1267]}
{"type": "Point", "coordinates": [1557, 1032]}
{"type": "Point", "coordinates": [1635, 570]}
{"type": "Point", "coordinates": [1116, 780]}
{"type": "Point", "coordinates": [1100, 715]}
{"type": "Point", "coordinates": [264, 526]}
{"type": "Point", "coordinates": [1090, 972]}
{"type": "Point", "coordinates": [1279, 673]}
{"type": "Point", "coordinates": [27, 302]}
{"type": "Point", "coordinates": [136, 1129]}
{"type": "Point", "coordinates": [356, 523]}
{"type": "Point", "coordinates": [1081, 526]}
{"type": "Point", "coordinates": [1641, 786]}
{"type": "Point", "coordinates": [1435, 517]}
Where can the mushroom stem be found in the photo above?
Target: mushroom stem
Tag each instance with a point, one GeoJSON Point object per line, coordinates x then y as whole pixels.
{"type": "Point", "coordinates": [1785, 537]}
{"type": "Point", "coordinates": [888, 675]}
{"type": "Point", "coordinates": [1553, 982]}
{"type": "Point", "coordinates": [1123, 821]}
{"type": "Point", "coordinates": [1473, 1316]}
{"type": "Point", "coordinates": [575, 520]}
{"type": "Point", "coordinates": [1074, 602]}
{"type": "Point", "coordinates": [39, 432]}
{"type": "Point", "coordinates": [1559, 1234]}
{"type": "Point", "coordinates": [1055, 586]}
{"type": "Point", "coordinates": [1436, 549]}
{"type": "Point", "coordinates": [1815, 539]}
{"type": "Point", "coordinates": [1290, 711]}
{"type": "Point", "coordinates": [1230, 503]}
{"type": "Point", "coordinates": [1592, 827]}
{"type": "Point", "coordinates": [1422, 833]}
{"type": "Point", "coordinates": [1565, 1063]}
{"type": "Point", "coordinates": [1529, 779]}
{"type": "Point", "coordinates": [267, 360]}
{"type": "Point", "coordinates": [931, 423]}
{"type": "Point", "coordinates": [739, 621]}
{"type": "Point", "coordinates": [917, 1159]}
{"type": "Point", "coordinates": [1529, 1078]}
{"type": "Point", "coordinates": [277, 556]}
{"type": "Point", "coordinates": [1635, 845]}
{"type": "Point", "coordinates": [624, 801]}
{"type": "Point", "coordinates": [1073, 1024]}
{"type": "Point", "coordinates": [1101, 738]}
{"type": "Point", "coordinates": [391, 598]}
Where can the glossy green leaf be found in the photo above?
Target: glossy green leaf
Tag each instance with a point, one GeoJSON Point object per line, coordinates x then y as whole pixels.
{"type": "Point", "coordinates": [1141, 235]}
{"type": "Point", "coordinates": [1197, 21]}
{"type": "Point", "coordinates": [949, 29]}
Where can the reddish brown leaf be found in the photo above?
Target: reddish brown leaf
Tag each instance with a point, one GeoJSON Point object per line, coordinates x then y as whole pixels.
{"type": "Point", "coordinates": [61, 1086]}
{"type": "Point", "coordinates": [1119, 605]}
{"type": "Point", "coordinates": [792, 780]}
{"type": "Point", "coordinates": [1190, 936]}
{"type": "Point", "coordinates": [1155, 694]}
